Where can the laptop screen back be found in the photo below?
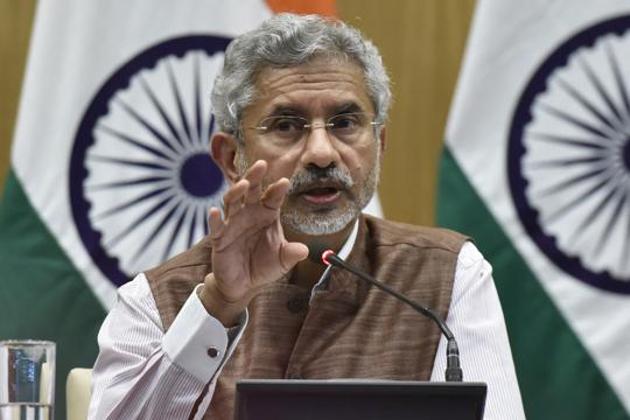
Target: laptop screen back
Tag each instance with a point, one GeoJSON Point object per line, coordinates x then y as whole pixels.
{"type": "Point", "coordinates": [354, 400]}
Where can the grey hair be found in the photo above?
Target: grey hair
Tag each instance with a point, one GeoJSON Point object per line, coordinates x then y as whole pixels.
{"type": "Point", "coordinates": [287, 40]}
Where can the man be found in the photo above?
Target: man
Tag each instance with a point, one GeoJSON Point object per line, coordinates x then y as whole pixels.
{"type": "Point", "coordinates": [300, 104]}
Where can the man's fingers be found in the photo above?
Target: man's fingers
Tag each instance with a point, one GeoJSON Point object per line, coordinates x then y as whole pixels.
{"type": "Point", "coordinates": [215, 222]}
{"type": "Point", "coordinates": [254, 193]}
{"type": "Point", "coordinates": [243, 213]}
{"type": "Point", "coordinates": [292, 253]}
{"type": "Point", "coordinates": [274, 195]}
{"type": "Point", "coordinates": [235, 197]}
{"type": "Point", "coordinates": [255, 175]}
{"type": "Point", "coordinates": [256, 171]}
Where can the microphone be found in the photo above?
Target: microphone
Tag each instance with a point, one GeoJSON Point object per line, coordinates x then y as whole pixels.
{"type": "Point", "coordinates": [453, 371]}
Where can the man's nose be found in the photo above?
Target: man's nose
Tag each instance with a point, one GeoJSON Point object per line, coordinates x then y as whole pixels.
{"type": "Point", "coordinates": [319, 148]}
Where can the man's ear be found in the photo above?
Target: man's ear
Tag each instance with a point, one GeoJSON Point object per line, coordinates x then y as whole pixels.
{"type": "Point", "coordinates": [223, 147]}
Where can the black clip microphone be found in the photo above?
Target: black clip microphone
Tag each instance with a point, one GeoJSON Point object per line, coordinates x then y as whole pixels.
{"type": "Point", "coordinates": [453, 371]}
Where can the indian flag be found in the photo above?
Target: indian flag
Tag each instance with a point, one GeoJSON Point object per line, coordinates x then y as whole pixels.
{"type": "Point", "coordinates": [110, 169]}
{"type": "Point", "coordinates": [537, 169]}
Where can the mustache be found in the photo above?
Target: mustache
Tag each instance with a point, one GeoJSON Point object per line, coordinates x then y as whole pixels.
{"type": "Point", "coordinates": [314, 177]}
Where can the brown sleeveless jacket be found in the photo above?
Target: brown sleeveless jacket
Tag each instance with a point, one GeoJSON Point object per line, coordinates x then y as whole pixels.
{"type": "Point", "coordinates": [350, 329]}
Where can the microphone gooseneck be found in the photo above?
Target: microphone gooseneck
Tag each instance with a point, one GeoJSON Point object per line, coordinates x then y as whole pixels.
{"type": "Point", "coordinates": [453, 369]}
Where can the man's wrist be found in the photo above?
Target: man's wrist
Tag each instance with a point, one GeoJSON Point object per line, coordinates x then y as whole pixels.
{"type": "Point", "coordinates": [226, 311]}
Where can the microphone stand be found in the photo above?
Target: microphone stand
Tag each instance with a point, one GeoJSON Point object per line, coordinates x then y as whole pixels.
{"type": "Point", "coordinates": [453, 371]}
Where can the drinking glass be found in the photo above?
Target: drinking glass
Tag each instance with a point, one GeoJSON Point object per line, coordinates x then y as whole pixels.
{"type": "Point", "coordinates": [27, 379]}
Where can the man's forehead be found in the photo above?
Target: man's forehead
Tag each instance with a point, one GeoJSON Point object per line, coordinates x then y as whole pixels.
{"type": "Point", "coordinates": [325, 83]}
{"type": "Point", "coordinates": [334, 106]}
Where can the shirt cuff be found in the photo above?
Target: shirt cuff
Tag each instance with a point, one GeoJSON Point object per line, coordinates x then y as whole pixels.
{"type": "Point", "coordinates": [197, 342]}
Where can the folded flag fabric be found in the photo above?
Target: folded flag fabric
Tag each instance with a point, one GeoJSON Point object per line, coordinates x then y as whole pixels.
{"type": "Point", "coordinates": [110, 172]}
{"type": "Point", "coordinates": [536, 167]}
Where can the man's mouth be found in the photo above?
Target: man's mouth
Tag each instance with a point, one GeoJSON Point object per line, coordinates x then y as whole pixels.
{"type": "Point", "coordinates": [321, 195]}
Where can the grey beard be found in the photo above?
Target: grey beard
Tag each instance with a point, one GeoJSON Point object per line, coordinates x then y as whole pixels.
{"type": "Point", "coordinates": [333, 222]}
{"type": "Point", "coordinates": [314, 223]}
{"type": "Point", "coordinates": [323, 224]}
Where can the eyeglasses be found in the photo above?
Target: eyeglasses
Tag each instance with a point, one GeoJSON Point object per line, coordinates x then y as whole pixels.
{"type": "Point", "coordinates": [290, 129]}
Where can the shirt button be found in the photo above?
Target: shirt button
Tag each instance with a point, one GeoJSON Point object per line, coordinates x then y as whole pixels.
{"type": "Point", "coordinates": [213, 352]}
{"type": "Point", "coordinates": [297, 304]}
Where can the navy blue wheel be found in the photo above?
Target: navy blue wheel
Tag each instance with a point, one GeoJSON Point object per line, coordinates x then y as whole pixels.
{"type": "Point", "coordinates": [141, 179]}
{"type": "Point", "coordinates": [569, 156]}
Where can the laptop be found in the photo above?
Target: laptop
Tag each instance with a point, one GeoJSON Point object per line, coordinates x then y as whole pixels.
{"type": "Point", "coordinates": [347, 399]}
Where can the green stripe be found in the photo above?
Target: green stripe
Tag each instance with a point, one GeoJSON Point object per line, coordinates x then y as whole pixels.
{"type": "Point", "coordinates": [42, 295]}
{"type": "Point", "coordinates": [558, 379]}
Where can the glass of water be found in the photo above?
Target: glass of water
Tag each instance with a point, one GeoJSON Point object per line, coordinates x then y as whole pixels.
{"type": "Point", "coordinates": [27, 379]}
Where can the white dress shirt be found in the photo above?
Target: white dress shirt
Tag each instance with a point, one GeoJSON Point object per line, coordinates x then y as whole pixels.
{"type": "Point", "coordinates": [143, 373]}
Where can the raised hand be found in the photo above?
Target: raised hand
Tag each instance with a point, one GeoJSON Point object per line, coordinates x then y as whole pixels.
{"type": "Point", "coordinates": [249, 249]}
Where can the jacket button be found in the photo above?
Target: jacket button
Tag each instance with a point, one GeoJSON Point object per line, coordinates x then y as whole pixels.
{"type": "Point", "coordinates": [213, 352]}
{"type": "Point", "coordinates": [297, 304]}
